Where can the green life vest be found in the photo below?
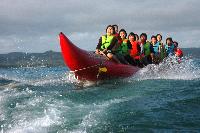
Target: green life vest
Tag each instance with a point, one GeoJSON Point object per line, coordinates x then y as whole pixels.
{"type": "Point", "coordinates": [146, 47]}
{"type": "Point", "coordinates": [106, 41]}
{"type": "Point", "coordinates": [162, 51]}
{"type": "Point", "coordinates": [123, 49]}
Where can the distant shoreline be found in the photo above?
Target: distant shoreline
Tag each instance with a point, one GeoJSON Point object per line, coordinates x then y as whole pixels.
{"type": "Point", "coordinates": [53, 59]}
{"type": "Point", "coordinates": [21, 59]}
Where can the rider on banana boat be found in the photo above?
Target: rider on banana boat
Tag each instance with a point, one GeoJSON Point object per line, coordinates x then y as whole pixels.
{"type": "Point", "coordinates": [177, 50]}
{"type": "Point", "coordinates": [123, 51]}
{"type": "Point", "coordinates": [116, 29]}
{"type": "Point", "coordinates": [135, 51]}
{"type": "Point", "coordinates": [162, 47]}
{"type": "Point", "coordinates": [146, 49]}
{"type": "Point", "coordinates": [156, 50]}
{"type": "Point", "coordinates": [136, 37]}
{"type": "Point", "coordinates": [169, 47]}
{"type": "Point", "coordinates": [106, 43]}
{"type": "Point", "coordinates": [117, 34]}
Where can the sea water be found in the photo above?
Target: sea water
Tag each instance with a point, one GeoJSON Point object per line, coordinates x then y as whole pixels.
{"type": "Point", "coordinates": [158, 98]}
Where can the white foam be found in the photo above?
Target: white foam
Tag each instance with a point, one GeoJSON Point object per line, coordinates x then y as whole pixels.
{"type": "Point", "coordinates": [2, 98]}
{"type": "Point", "coordinates": [36, 126]}
{"type": "Point", "coordinates": [25, 117]}
{"type": "Point", "coordinates": [170, 69]}
{"type": "Point", "coordinates": [23, 124]}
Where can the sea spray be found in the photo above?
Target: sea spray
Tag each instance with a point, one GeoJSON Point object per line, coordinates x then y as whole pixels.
{"type": "Point", "coordinates": [170, 69]}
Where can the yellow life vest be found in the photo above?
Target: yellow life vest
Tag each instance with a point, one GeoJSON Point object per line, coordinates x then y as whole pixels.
{"type": "Point", "coordinates": [106, 41]}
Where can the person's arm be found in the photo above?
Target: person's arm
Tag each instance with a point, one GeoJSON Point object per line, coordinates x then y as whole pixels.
{"type": "Point", "coordinates": [159, 47]}
{"type": "Point", "coordinates": [141, 49]}
{"type": "Point", "coordinates": [99, 43]}
{"type": "Point", "coordinates": [152, 49]}
{"type": "Point", "coordinates": [138, 48]}
{"type": "Point", "coordinates": [152, 52]}
{"type": "Point", "coordinates": [129, 44]}
{"type": "Point", "coordinates": [112, 44]}
{"type": "Point", "coordinates": [98, 46]}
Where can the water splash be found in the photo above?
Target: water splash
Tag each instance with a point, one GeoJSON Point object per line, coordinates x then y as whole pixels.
{"type": "Point", "coordinates": [35, 113]}
{"type": "Point", "coordinates": [41, 76]}
{"type": "Point", "coordinates": [188, 69]}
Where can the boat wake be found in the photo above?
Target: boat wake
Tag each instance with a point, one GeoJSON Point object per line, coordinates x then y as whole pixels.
{"type": "Point", "coordinates": [188, 69]}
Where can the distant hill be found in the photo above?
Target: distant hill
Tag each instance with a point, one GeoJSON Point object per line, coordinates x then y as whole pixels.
{"type": "Point", "coordinates": [51, 58]}
{"type": "Point", "coordinates": [19, 59]}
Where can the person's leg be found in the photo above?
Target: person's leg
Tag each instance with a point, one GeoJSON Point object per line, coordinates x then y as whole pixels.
{"type": "Point", "coordinates": [113, 57]}
{"type": "Point", "coordinates": [130, 60]}
{"type": "Point", "coordinates": [144, 61]}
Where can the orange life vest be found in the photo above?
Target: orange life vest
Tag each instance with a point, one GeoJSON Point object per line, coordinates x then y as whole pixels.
{"type": "Point", "coordinates": [178, 52]}
{"type": "Point", "coordinates": [134, 51]}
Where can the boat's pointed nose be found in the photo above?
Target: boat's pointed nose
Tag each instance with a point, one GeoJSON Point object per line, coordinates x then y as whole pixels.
{"type": "Point", "coordinates": [64, 40]}
{"type": "Point", "coordinates": [61, 35]}
{"type": "Point", "coordinates": [70, 52]}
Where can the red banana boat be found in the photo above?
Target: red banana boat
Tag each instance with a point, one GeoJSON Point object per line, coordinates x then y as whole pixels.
{"type": "Point", "coordinates": [89, 66]}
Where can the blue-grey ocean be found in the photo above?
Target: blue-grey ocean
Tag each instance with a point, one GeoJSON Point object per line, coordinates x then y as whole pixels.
{"type": "Point", "coordinates": [158, 98]}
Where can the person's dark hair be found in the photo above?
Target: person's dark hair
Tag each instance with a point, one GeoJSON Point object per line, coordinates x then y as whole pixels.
{"type": "Point", "coordinates": [131, 34]}
{"type": "Point", "coordinates": [123, 30]}
{"type": "Point", "coordinates": [175, 43]}
{"type": "Point", "coordinates": [136, 37]}
{"type": "Point", "coordinates": [143, 34]}
{"type": "Point", "coordinates": [115, 27]}
{"type": "Point", "coordinates": [154, 37]}
{"type": "Point", "coordinates": [170, 39]}
{"type": "Point", "coordinates": [112, 27]}
{"type": "Point", "coordinates": [159, 35]}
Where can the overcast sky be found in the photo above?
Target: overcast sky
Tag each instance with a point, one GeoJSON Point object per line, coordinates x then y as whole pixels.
{"type": "Point", "coordinates": [34, 25]}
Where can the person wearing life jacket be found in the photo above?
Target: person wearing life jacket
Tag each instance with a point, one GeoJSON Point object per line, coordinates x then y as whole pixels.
{"type": "Point", "coordinates": [135, 51]}
{"type": "Point", "coordinates": [156, 49]}
{"type": "Point", "coordinates": [169, 47]}
{"type": "Point", "coordinates": [117, 34]}
{"type": "Point", "coordinates": [106, 43]}
{"type": "Point", "coordinates": [115, 28]}
{"type": "Point", "coordinates": [177, 50]}
{"type": "Point", "coordinates": [137, 37]}
{"type": "Point", "coordinates": [123, 51]}
{"type": "Point", "coordinates": [162, 47]}
{"type": "Point", "coordinates": [146, 49]}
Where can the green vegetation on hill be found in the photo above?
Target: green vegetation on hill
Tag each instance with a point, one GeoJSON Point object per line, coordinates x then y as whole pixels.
{"type": "Point", "coordinates": [18, 59]}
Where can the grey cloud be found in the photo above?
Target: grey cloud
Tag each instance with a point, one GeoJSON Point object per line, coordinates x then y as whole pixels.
{"type": "Point", "coordinates": [35, 18]}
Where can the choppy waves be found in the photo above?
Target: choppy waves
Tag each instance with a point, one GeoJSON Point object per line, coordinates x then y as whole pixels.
{"type": "Point", "coordinates": [159, 98]}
